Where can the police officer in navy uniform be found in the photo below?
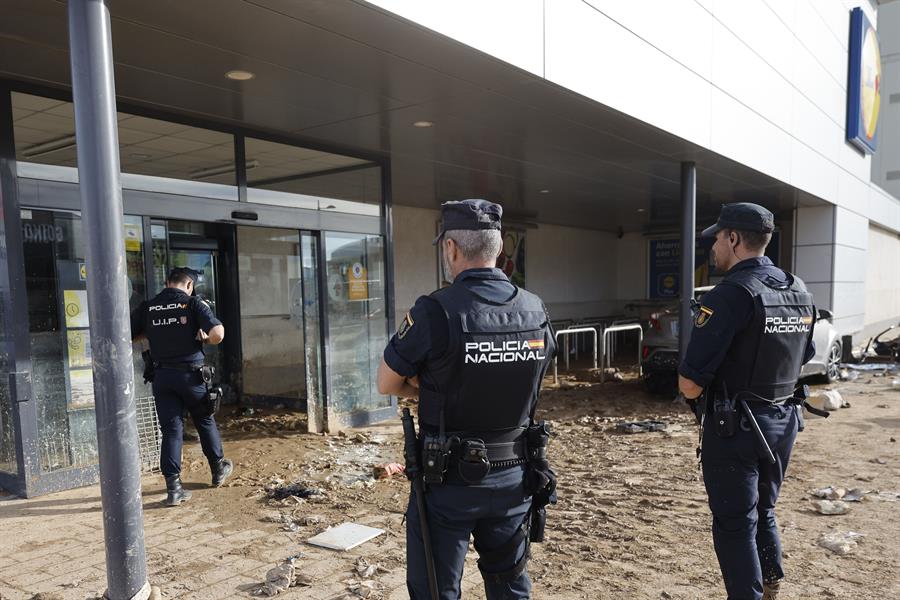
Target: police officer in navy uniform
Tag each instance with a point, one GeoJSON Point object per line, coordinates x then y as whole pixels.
{"type": "Point", "coordinates": [474, 353]}
{"type": "Point", "coordinates": [177, 324]}
{"type": "Point", "coordinates": [751, 335]}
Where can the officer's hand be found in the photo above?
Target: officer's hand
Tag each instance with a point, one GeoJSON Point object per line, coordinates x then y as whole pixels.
{"type": "Point", "coordinates": [413, 381]}
{"type": "Point", "coordinates": [201, 335]}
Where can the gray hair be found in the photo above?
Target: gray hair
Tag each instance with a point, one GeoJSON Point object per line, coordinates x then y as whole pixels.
{"type": "Point", "coordinates": [480, 245]}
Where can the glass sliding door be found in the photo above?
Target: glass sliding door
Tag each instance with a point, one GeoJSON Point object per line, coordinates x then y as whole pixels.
{"type": "Point", "coordinates": [357, 326]}
{"type": "Point", "coordinates": [270, 275]}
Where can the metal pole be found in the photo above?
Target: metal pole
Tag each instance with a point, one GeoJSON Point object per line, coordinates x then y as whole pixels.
{"type": "Point", "coordinates": [93, 90]}
{"type": "Point", "coordinates": [688, 243]}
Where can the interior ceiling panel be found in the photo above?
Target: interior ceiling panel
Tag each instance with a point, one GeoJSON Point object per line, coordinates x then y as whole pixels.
{"type": "Point", "coordinates": [344, 73]}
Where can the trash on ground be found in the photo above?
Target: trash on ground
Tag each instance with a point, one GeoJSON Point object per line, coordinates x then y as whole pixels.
{"type": "Point", "coordinates": [830, 493]}
{"type": "Point", "coordinates": [839, 542]}
{"type": "Point", "coordinates": [387, 470]}
{"type": "Point", "coordinates": [886, 496]}
{"type": "Point", "coordinates": [826, 400]}
{"type": "Point", "coordinates": [879, 461]}
{"type": "Point", "coordinates": [871, 366]}
{"type": "Point", "coordinates": [641, 426]}
{"type": "Point", "coordinates": [848, 375]}
{"type": "Point", "coordinates": [297, 489]}
{"type": "Point", "coordinates": [831, 507]}
{"type": "Point", "coordinates": [854, 495]}
{"type": "Point", "coordinates": [345, 536]}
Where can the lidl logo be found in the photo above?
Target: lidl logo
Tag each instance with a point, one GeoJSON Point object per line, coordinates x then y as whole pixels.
{"type": "Point", "coordinates": [864, 83]}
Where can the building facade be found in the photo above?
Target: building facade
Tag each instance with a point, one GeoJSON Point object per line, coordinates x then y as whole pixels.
{"type": "Point", "coordinates": [297, 154]}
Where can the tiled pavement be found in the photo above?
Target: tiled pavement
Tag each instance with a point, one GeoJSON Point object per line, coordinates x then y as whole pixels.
{"type": "Point", "coordinates": [55, 544]}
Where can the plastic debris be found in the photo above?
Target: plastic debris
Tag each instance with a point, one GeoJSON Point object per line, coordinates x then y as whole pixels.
{"type": "Point", "coordinates": [297, 490]}
{"type": "Point", "coordinates": [641, 426]}
{"type": "Point", "coordinates": [840, 543]}
{"type": "Point", "coordinates": [387, 470]}
{"type": "Point", "coordinates": [831, 507]}
{"type": "Point", "coordinates": [830, 493]}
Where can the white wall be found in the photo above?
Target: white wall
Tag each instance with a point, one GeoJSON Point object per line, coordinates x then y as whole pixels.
{"type": "Point", "coordinates": [882, 281]}
{"type": "Point", "coordinates": [760, 81]}
{"type": "Point", "coordinates": [886, 162]}
{"type": "Point", "coordinates": [573, 270]}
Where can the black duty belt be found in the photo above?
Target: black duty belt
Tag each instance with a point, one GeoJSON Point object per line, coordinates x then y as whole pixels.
{"type": "Point", "coordinates": [186, 367]}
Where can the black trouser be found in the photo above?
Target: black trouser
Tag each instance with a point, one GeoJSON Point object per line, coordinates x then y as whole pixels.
{"type": "Point", "coordinates": [743, 487]}
{"type": "Point", "coordinates": [174, 392]}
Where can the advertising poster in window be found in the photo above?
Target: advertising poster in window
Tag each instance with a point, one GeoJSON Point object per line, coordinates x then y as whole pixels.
{"type": "Point", "coordinates": [512, 257]}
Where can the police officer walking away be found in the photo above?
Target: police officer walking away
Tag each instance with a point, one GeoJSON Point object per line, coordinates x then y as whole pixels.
{"type": "Point", "coordinates": [751, 335]}
{"type": "Point", "coordinates": [177, 324]}
{"type": "Point", "coordinates": [474, 353]}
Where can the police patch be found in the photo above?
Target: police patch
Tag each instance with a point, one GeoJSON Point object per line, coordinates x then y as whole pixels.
{"type": "Point", "coordinates": [703, 316]}
{"type": "Point", "coordinates": [184, 320]}
{"type": "Point", "coordinates": [405, 326]}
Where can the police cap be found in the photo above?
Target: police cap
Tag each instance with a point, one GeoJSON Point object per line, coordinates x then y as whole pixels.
{"type": "Point", "coordinates": [469, 214]}
{"type": "Point", "coordinates": [743, 216]}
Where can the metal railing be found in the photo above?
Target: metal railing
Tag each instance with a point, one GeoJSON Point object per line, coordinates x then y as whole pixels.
{"type": "Point", "coordinates": [606, 360]}
{"type": "Point", "coordinates": [568, 332]}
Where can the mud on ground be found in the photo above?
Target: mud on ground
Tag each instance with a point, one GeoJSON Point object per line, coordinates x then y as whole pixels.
{"type": "Point", "coordinates": [631, 521]}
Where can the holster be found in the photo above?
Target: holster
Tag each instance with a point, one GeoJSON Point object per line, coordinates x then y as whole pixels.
{"type": "Point", "coordinates": [540, 480]}
{"type": "Point", "coordinates": [725, 415]}
{"type": "Point", "coordinates": [213, 399]}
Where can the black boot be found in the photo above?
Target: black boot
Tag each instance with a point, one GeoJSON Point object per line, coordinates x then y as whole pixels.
{"type": "Point", "coordinates": [176, 493]}
{"type": "Point", "coordinates": [220, 471]}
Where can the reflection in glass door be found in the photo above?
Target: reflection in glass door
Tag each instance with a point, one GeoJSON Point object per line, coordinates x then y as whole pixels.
{"type": "Point", "coordinates": [357, 326]}
{"type": "Point", "coordinates": [270, 274]}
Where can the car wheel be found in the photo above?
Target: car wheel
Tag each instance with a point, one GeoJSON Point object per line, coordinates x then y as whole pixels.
{"type": "Point", "coordinates": [833, 363]}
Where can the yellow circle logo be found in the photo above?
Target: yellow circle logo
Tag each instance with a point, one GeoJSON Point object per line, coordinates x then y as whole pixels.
{"type": "Point", "coordinates": [870, 83]}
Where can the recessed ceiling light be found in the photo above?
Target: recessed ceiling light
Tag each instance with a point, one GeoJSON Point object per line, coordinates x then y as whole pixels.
{"type": "Point", "coordinates": [423, 124]}
{"type": "Point", "coordinates": [544, 192]}
{"type": "Point", "coordinates": [641, 210]}
{"type": "Point", "coordinates": [238, 75]}
{"type": "Point", "coordinates": [140, 156]}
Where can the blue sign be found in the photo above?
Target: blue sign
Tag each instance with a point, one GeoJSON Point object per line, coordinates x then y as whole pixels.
{"type": "Point", "coordinates": [664, 270]}
{"type": "Point", "coordinates": [863, 84]}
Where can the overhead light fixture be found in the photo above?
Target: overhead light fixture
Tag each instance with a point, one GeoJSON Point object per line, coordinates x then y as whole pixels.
{"type": "Point", "coordinates": [239, 75]}
{"type": "Point", "coordinates": [544, 192]}
{"type": "Point", "coordinates": [423, 124]}
{"type": "Point", "coordinates": [221, 170]}
{"type": "Point", "coordinates": [63, 143]}
{"type": "Point", "coordinates": [641, 209]}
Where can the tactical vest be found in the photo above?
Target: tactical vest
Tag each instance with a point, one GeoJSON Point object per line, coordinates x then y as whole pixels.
{"type": "Point", "coordinates": [764, 359]}
{"type": "Point", "coordinates": [171, 324]}
{"type": "Point", "coordinates": [497, 354]}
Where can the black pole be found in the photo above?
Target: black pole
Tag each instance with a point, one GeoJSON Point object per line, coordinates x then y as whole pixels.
{"type": "Point", "coordinates": [688, 244]}
{"type": "Point", "coordinates": [90, 45]}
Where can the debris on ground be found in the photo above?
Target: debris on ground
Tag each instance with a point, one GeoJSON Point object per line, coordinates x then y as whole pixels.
{"type": "Point", "coordinates": [345, 536]}
{"type": "Point", "coordinates": [840, 493]}
{"type": "Point", "coordinates": [280, 578]}
{"type": "Point", "coordinates": [827, 400]}
{"type": "Point", "coordinates": [641, 426]}
{"type": "Point", "coordinates": [296, 489]}
{"type": "Point", "coordinates": [831, 507]}
{"type": "Point", "coordinates": [886, 496]}
{"type": "Point", "coordinates": [840, 543]}
{"type": "Point", "coordinates": [848, 375]}
{"type": "Point", "coordinates": [387, 470]}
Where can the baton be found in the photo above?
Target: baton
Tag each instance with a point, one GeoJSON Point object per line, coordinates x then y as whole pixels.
{"type": "Point", "coordinates": [759, 434]}
{"type": "Point", "coordinates": [414, 474]}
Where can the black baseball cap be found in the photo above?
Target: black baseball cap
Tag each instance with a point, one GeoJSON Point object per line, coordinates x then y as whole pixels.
{"type": "Point", "coordinates": [192, 273]}
{"type": "Point", "coordinates": [743, 216]}
{"type": "Point", "coordinates": [472, 214]}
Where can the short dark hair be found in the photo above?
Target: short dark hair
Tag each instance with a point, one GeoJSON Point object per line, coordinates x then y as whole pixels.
{"type": "Point", "coordinates": [754, 240]}
{"type": "Point", "coordinates": [179, 278]}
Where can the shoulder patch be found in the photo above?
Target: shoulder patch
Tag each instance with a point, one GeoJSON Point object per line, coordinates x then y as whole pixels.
{"type": "Point", "coordinates": [703, 316]}
{"type": "Point", "coordinates": [405, 326]}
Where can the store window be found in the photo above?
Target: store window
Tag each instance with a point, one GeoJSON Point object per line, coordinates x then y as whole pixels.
{"type": "Point", "coordinates": [357, 320]}
{"type": "Point", "coordinates": [44, 131]}
{"type": "Point", "coordinates": [303, 178]}
{"type": "Point", "coordinates": [59, 325]}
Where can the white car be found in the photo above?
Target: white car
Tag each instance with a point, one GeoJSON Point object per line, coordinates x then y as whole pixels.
{"type": "Point", "coordinates": [659, 352]}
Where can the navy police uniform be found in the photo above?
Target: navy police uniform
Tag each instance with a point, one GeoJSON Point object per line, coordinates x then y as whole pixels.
{"type": "Point", "coordinates": [480, 348]}
{"type": "Point", "coordinates": [170, 322]}
{"type": "Point", "coordinates": [751, 335]}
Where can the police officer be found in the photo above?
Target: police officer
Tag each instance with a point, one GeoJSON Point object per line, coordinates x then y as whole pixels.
{"type": "Point", "coordinates": [474, 353]}
{"type": "Point", "coordinates": [177, 324]}
{"type": "Point", "coordinates": [751, 335]}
